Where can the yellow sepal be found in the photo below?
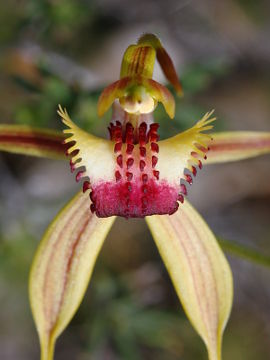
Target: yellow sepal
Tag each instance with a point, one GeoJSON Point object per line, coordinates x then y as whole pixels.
{"type": "Point", "coordinates": [62, 267]}
{"type": "Point", "coordinates": [199, 272]}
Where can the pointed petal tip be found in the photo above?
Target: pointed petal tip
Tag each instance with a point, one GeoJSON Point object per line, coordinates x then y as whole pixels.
{"type": "Point", "coordinates": [199, 271]}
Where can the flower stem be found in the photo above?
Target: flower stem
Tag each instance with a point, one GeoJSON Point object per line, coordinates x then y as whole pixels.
{"type": "Point", "coordinates": [244, 252]}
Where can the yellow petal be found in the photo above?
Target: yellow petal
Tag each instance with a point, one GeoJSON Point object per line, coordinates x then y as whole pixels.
{"type": "Point", "coordinates": [162, 94]}
{"type": "Point", "coordinates": [182, 151]}
{"type": "Point", "coordinates": [62, 268]}
{"type": "Point", "coordinates": [237, 145]}
{"type": "Point", "coordinates": [199, 271]}
{"type": "Point", "coordinates": [27, 140]}
{"type": "Point", "coordinates": [112, 92]}
{"type": "Point", "coordinates": [96, 155]}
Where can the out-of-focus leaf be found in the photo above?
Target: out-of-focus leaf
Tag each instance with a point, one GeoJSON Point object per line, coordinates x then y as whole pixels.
{"type": "Point", "coordinates": [27, 140]}
{"type": "Point", "coordinates": [62, 268]}
{"type": "Point", "coordinates": [199, 271]}
{"type": "Point", "coordinates": [238, 145]}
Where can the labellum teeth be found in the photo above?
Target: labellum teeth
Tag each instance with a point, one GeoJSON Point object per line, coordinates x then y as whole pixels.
{"type": "Point", "coordinates": [194, 171]}
{"type": "Point", "coordinates": [189, 179]}
{"type": "Point", "coordinates": [144, 178]}
{"type": "Point", "coordinates": [79, 175]}
{"type": "Point", "coordinates": [86, 186]}
{"type": "Point", "coordinates": [183, 189]}
{"type": "Point", "coordinates": [181, 198]}
{"type": "Point", "coordinates": [72, 166]}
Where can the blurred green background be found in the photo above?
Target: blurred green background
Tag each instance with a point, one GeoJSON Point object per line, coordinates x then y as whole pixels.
{"type": "Point", "coordinates": [66, 52]}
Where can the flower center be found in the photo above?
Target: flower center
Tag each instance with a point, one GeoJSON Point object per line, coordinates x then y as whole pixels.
{"type": "Point", "coordinates": [137, 190]}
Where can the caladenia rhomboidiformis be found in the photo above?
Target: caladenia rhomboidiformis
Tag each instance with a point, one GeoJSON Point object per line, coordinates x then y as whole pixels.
{"type": "Point", "coordinates": [133, 174]}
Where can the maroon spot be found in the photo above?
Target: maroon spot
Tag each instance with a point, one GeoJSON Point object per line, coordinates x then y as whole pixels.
{"type": "Point", "coordinates": [142, 165]}
{"type": "Point", "coordinates": [154, 161]}
{"type": "Point", "coordinates": [154, 147]}
{"type": "Point", "coordinates": [129, 176]}
{"type": "Point", "coordinates": [119, 160]}
{"type": "Point", "coordinates": [118, 176]}
{"type": "Point", "coordinates": [130, 162]}
{"type": "Point", "coordinates": [92, 208]}
{"type": "Point", "coordinates": [144, 178]}
{"type": "Point", "coordinates": [142, 151]}
{"type": "Point", "coordinates": [117, 147]}
{"type": "Point", "coordinates": [180, 198]}
{"type": "Point", "coordinates": [129, 149]}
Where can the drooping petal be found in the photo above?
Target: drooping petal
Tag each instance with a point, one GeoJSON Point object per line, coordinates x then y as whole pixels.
{"type": "Point", "coordinates": [164, 60]}
{"type": "Point", "coordinates": [62, 268]}
{"type": "Point", "coordinates": [112, 92]}
{"type": "Point", "coordinates": [162, 94]}
{"type": "Point", "coordinates": [26, 140]}
{"type": "Point", "coordinates": [237, 145]}
{"type": "Point", "coordinates": [199, 271]}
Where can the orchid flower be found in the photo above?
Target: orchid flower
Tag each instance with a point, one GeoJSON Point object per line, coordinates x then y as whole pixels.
{"type": "Point", "coordinates": [133, 174]}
